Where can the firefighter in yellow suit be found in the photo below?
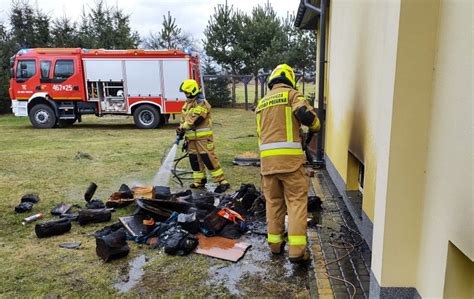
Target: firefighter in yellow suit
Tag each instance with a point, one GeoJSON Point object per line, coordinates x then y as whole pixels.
{"type": "Point", "coordinates": [196, 126]}
{"type": "Point", "coordinates": [285, 183]}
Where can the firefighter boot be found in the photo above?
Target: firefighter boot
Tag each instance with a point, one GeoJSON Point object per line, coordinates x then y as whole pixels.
{"type": "Point", "coordinates": [198, 184]}
{"type": "Point", "coordinates": [277, 248]}
{"type": "Point", "coordinates": [300, 259]}
{"type": "Point", "coordinates": [222, 187]}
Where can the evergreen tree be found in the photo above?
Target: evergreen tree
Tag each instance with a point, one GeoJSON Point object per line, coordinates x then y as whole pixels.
{"type": "Point", "coordinates": [302, 50]}
{"type": "Point", "coordinates": [216, 88]}
{"type": "Point", "coordinates": [64, 33]}
{"type": "Point", "coordinates": [125, 38]}
{"type": "Point", "coordinates": [170, 36]}
{"type": "Point", "coordinates": [42, 36]}
{"type": "Point", "coordinates": [264, 41]}
{"type": "Point", "coordinates": [7, 48]}
{"type": "Point", "coordinates": [170, 32]}
{"type": "Point", "coordinates": [222, 38]}
{"type": "Point", "coordinates": [22, 21]}
{"type": "Point", "coordinates": [108, 28]}
{"type": "Point", "coordinates": [85, 36]}
{"type": "Point", "coordinates": [222, 43]}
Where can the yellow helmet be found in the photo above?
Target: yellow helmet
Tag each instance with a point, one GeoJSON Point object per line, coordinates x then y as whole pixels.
{"type": "Point", "coordinates": [189, 86]}
{"type": "Point", "coordinates": [283, 73]}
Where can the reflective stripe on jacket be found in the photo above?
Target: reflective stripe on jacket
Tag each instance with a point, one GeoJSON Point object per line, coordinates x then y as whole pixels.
{"type": "Point", "coordinates": [278, 130]}
{"type": "Point", "coordinates": [190, 112]}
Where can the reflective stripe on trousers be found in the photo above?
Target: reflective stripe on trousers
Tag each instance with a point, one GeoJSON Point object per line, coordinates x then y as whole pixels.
{"type": "Point", "coordinates": [217, 172]}
{"type": "Point", "coordinates": [199, 175]}
{"type": "Point", "coordinates": [296, 240]}
{"type": "Point", "coordinates": [274, 239]}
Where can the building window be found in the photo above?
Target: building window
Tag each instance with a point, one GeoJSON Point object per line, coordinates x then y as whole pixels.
{"type": "Point", "coordinates": [361, 177]}
{"type": "Point", "coordinates": [63, 69]}
{"type": "Point", "coordinates": [355, 182]}
{"type": "Point", "coordinates": [25, 69]}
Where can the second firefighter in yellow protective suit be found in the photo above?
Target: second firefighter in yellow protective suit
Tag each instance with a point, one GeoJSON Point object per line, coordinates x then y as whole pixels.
{"type": "Point", "coordinates": [196, 126]}
{"type": "Point", "coordinates": [285, 184]}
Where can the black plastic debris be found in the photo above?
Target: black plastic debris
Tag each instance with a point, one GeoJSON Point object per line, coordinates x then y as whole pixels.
{"type": "Point", "coordinates": [24, 207]}
{"type": "Point", "coordinates": [108, 229]}
{"type": "Point", "coordinates": [162, 192]}
{"type": "Point", "coordinates": [231, 231]}
{"type": "Point", "coordinates": [72, 213]}
{"type": "Point", "coordinates": [33, 198]}
{"type": "Point", "coordinates": [70, 245]}
{"type": "Point", "coordinates": [90, 192]}
{"type": "Point", "coordinates": [250, 195]}
{"type": "Point", "coordinates": [95, 204]}
{"type": "Point", "coordinates": [314, 203]}
{"type": "Point", "coordinates": [189, 222]}
{"type": "Point", "coordinates": [134, 224]}
{"type": "Point", "coordinates": [126, 192]}
{"type": "Point", "coordinates": [87, 216]}
{"type": "Point", "coordinates": [71, 217]}
{"type": "Point", "coordinates": [113, 245]}
{"type": "Point", "coordinates": [161, 209]}
{"type": "Point", "coordinates": [177, 241]}
{"type": "Point", "coordinates": [185, 193]}
{"type": "Point", "coordinates": [61, 208]}
{"type": "Point", "coordinates": [213, 222]}
{"type": "Point", "coordinates": [52, 228]}
{"type": "Point", "coordinates": [244, 161]}
{"type": "Point", "coordinates": [118, 200]}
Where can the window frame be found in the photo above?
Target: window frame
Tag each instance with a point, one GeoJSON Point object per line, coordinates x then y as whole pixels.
{"type": "Point", "coordinates": [42, 78]}
{"type": "Point", "coordinates": [61, 79]}
{"type": "Point", "coordinates": [18, 70]}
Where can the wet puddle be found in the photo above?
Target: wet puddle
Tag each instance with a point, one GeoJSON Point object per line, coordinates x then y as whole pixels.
{"type": "Point", "coordinates": [257, 265]}
{"type": "Point", "coordinates": [134, 275]}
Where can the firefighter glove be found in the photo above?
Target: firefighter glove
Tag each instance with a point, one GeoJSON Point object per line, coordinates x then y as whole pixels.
{"type": "Point", "coordinates": [185, 147]}
{"type": "Point", "coordinates": [180, 132]}
{"type": "Point", "coordinates": [309, 137]}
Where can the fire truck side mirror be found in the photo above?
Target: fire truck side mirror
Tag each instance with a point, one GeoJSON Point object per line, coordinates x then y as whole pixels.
{"type": "Point", "coordinates": [11, 73]}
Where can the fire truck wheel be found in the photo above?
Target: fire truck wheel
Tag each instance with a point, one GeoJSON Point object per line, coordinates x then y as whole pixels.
{"type": "Point", "coordinates": [146, 117]}
{"type": "Point", "coordinates": [42, 116]}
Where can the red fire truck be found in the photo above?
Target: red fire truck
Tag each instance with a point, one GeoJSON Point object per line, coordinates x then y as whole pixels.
{"type": "Point", "coordinates": [55, 87]}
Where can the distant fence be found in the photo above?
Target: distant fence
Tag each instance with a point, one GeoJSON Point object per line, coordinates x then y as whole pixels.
{"type": "Point", "coordinates": [262, 82]}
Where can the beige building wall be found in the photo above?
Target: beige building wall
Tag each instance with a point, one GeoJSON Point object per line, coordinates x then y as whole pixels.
{"type": "Point", "coordinates": [447, 211]}
{"type": "Point", "coordinates": [361, 71]}
{"type": "Point", "coordinates": [395, 94]}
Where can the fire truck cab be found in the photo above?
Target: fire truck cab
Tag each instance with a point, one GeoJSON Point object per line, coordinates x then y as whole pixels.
{"type": "Point", "coordinates": [55, 87]}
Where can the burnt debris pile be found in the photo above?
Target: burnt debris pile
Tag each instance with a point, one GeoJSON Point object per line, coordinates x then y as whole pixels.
{"type": "Point", "coordinates": [176, 222]}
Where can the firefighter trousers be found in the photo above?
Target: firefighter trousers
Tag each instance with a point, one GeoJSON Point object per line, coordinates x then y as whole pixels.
{"type": "Point", "coordinates": [287, 193]}
{"type": "Point", "coordinates": [202, 156]}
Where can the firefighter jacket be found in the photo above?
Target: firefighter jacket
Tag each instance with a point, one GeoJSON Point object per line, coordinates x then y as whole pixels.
{"type": "Point", "coordinates": [196, 119]}
{"type": "Point", "coordinates": [278, 129]}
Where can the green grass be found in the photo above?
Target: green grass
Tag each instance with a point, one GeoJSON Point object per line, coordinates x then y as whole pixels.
{"type": "Point", "coordinates": [44, 162]}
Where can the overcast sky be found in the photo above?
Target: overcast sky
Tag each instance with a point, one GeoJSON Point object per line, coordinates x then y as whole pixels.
{"type": "Point", "coordinates": [147, 15]}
